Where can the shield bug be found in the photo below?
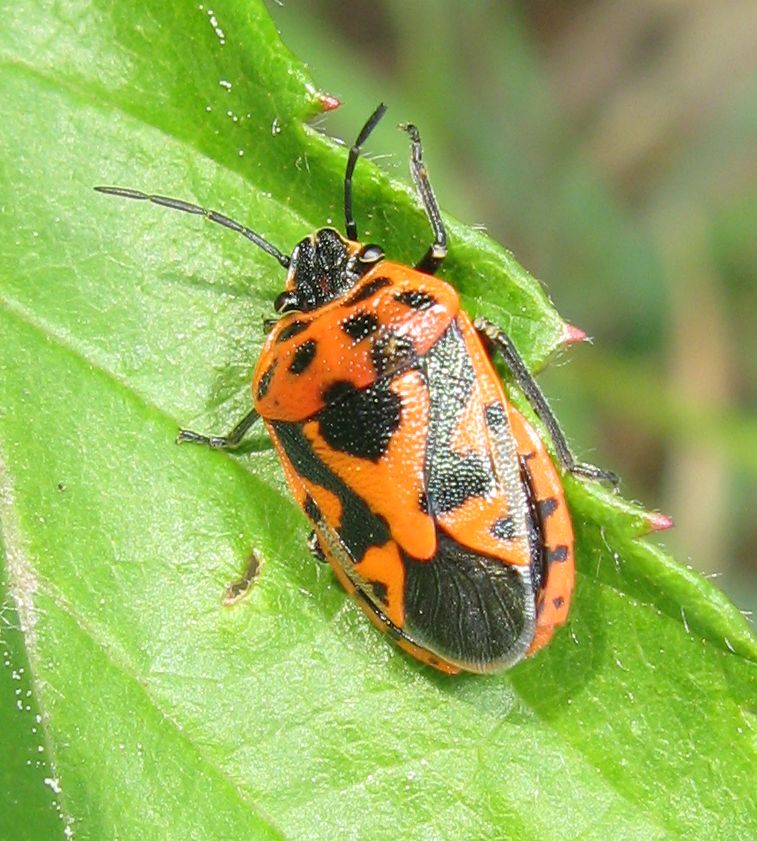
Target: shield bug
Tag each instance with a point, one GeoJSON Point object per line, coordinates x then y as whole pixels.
{"type": "Point", "coordinates": [434, 500]}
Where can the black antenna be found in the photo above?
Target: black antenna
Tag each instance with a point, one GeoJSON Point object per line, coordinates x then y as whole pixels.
{"type": "Point", "coordinates": [365, 131]}
{"type": "Point", "coordinates": [212, 215]}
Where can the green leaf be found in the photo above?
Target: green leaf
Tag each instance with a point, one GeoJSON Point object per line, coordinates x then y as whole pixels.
{"type": "Point", "coordinates": [164, 714]}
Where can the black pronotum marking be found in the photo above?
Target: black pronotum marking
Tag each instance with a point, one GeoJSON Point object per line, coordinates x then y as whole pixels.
{"type": "Point", "coordinates": [293, 329]}
{"type": "Point", "coordinates": [367, 290]}
{"type": "Point", "coordinates": [265, 380]}
{"type": "Point", "coordinates": [361, 325]}
{"type": "Point", "coordinates": [359, 527]}
{"type": "Point", "coordinates": [504, 528]}
{"type": "Point", "coordinates": [360, 422]}
{"type": "Point", "coordinates": [415, 299]}
{"type": "Point", "coordinates": [336, 391]}
{"type": "Point", "coordinates": [466, 607]}
{"type": "Point", "coordinates": [304, 354]}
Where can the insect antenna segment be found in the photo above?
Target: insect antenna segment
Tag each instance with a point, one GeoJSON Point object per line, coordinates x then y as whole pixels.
{"type": "Point", "coordinates": [365, 131]}
{"type": "Point", "coordinates": [212, 215]}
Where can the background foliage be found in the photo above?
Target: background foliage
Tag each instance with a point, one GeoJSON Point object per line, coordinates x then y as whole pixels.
{"type": "Point", "coordinates": [132, 704]}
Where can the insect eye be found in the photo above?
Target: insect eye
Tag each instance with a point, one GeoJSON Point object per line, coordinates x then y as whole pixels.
{"type": "Point", "coordinates": [371, 254]}
{"type": "Point", "coordinates": [285, 302]}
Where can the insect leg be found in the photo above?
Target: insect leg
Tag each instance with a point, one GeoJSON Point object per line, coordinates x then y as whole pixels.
{"type": "Point", "coordinates": [220, 442]}
{"type": "Point", "coordinates": [535, 397]}
{"type": "Point", "coordinates": [314, 545]}
{"type": "Point", "coordinates": [437, 251]}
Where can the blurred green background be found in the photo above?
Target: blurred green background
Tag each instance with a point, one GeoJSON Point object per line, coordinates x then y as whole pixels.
{"type": "Point", "coordinates": [612, 146]}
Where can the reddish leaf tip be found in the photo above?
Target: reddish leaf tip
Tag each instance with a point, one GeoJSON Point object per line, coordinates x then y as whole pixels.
{"type": "Point", "coordinates": [659, 522]}
{"type": "Point", "coordinates": [572, 335]}
{"type": "Point", "coordinates": [328, 102]}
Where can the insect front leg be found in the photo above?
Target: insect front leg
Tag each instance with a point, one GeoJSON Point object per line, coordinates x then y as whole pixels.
{"type": "Point", "coordinates": [220, 442]}
{"type": "Point", "coordinates": [501, 341]}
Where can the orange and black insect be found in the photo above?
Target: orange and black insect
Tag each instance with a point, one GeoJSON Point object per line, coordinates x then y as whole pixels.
{"type": "Point", "coordinates": [431, 496]}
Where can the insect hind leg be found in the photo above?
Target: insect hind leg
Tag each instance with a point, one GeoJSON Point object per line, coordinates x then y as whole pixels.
{"type": "Point", "coordinates": [220, 442]}
{"type": "Point", "coordinates": [501, 341]}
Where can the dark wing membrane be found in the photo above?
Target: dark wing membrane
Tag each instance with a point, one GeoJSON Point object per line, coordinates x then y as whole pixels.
{"type": "Point", "coordinates": [467, 608]}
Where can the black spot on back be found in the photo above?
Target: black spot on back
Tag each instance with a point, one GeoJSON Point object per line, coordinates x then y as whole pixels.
{"type": "Point", "coordinates": [360, 422]}
{"type": "Point", "coordinates": [336, 391]}
{"type": "Point", "coordinates": [367, 290]}
{"type": "Point", "coordinates": [456, 479]}
{"type": "Point", "coordinates": [557, 555]}
{"type": "Point", "coordinates": [304, 354]}
{"type": "Point", "coordinates": [265, 380]}
{"type": "Point", "coordinates": [415, 299]}
{"type": "Point", "coordinates": [360, 325]}
{"type": "Point", "coordinates": [452, 477]}
{"type": "Point", "coordinates": [558, 602]}
{"type": "Point", "coordinates": [504, 528]}
{"type": "Point", "coordinates": [293, 329]}
{"type": "Point", "coordinates": [379, 590]}
{"type": "Point", "coordinates": [359, 528]}
{"type": "Point", "coordinates": [547, 507]}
